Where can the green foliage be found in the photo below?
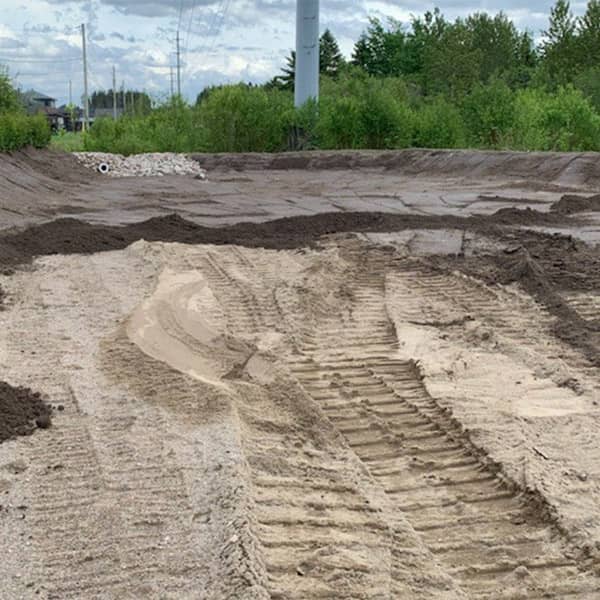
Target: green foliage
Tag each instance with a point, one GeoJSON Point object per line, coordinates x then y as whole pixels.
{"type": "Point", "coordinates": [17, 130]}
{"type": "Point", "coordinates": [488, 112]}
{"type": "Point", "coordinates": [9, 99]}
{"type": "Point", "coordinates": [565, 121]}
{"type": "Point", "coordinates": [471, 82]}
{"type": "Point", "coordinates": [68, 141]}
{"type": "Point", "coordinates": [359, 112]}
{"type": "Point", "coordinates": [331, 63]}
{"type": "Point", "coordinates": [570, 122]}
{"type": "Point", "coordinates": [588, 82]}
{"type": "Point", "coordinates": [135, 102]}
{"type": "Point", "coordinates": [241, 119]}
{"type": "Point", "coordinates": [439, 124]}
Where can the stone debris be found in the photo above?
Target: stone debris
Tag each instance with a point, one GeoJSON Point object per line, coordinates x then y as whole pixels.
{"type": "Point", "coordinates": [141, 165]}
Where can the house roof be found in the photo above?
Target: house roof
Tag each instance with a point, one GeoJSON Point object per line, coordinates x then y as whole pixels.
{"type": "Point", "coordinates": [33, 95]}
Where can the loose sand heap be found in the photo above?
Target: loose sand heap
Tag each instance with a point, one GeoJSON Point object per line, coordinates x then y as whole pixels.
{"type": "Point", "coordinates": [154, 164]}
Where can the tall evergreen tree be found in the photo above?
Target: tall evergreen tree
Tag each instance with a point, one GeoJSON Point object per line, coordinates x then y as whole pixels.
{"type": "Point", "coordinates": [330, 62]}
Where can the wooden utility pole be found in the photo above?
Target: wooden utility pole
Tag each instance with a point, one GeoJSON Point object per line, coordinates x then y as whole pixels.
{"type": "Point", "coordinates": [86, 101]}
{"type": "Point", "coordinates": [114, 93]}
{"type": "Point", "coordinates": [172, 91]}
{"type": "Point", "coordinates": [178, 66]}
{"type": "Point", "coordinates": [70, 92]}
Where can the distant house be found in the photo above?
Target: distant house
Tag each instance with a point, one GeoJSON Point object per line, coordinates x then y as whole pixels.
{"type": "Point", "coordinates": [36, 102]}
{"type": "Point", "coordinates": [33, 101]}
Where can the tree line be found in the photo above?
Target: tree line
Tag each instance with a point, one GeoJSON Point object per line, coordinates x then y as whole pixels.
{"type": "Point", "coordinates": [434, 55]}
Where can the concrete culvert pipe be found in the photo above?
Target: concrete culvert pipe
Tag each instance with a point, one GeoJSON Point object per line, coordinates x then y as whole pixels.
{"type": "Point", "coordinates": [103, 168]}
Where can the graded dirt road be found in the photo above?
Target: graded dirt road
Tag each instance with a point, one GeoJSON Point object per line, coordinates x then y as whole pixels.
{"type": "Point", "coordinates": [343, 405]}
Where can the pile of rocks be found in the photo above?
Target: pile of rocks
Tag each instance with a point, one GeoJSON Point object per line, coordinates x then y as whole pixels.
{"type": "Point", "coordinates": [141, 165]}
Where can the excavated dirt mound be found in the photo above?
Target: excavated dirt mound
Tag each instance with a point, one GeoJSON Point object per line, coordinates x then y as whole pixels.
{"type": "Point", "coordinates": [571, 203]}
{"type": "Point", "coordinates": [22, 411]}
{"type": "Point", "coordinates": [72, 236]}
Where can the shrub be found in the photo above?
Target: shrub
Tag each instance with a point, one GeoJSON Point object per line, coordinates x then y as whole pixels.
{"type": "Point", "coordinates": [18, 130]}
{"type": "Point", "coordinates": [439, 124]}
{"type": "Point", "coordinates": [571, 122]}
{"type": "Point", "coordinates": [528, 131]}
{"type": "Point", "coordinates": [365, 112]}
{"type": "Point", "coordinates": [240, 118]}
{"type": "Point", "coordinates": [565, 121]}
{"type": "Point", "coordinates": [488, 113]}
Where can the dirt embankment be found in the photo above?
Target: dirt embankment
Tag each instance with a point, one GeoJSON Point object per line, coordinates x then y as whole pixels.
{"type": "Point", "coordinates": [545, 167]}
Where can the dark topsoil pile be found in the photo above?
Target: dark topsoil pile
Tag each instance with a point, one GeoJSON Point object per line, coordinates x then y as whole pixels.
{"type": "Point", "coordinates": [71, 236]}
{"type": "Point", "coordinates": [570, 204]}
{"type": "Point", "coordinates": [21, 411]}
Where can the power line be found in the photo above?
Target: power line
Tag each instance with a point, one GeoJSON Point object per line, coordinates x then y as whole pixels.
{"type": "Point", "coordinates": [39, 60]}
{"type": "Point", "coordinates": [225, 5]}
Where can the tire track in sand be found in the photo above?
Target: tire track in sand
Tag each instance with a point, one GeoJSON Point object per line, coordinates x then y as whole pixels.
{"type": "Point", "coordinates": [322, 535]}
{"type": "Point", "coordinates": [477, 523]}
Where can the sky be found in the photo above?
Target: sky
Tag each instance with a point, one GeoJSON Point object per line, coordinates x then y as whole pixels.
{"type": "Point", "coordinates": [221, 40]}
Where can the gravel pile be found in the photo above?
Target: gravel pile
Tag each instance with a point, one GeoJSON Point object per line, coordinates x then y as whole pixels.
{"type": "Point", "coordinates": [140, 165]}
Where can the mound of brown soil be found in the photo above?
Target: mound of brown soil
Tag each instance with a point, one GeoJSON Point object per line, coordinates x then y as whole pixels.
{"type": "Point", "coordinates": [22, 411]}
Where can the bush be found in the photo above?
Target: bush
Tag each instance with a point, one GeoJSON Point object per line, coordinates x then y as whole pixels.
{"type": "Point", "coordinates": [528, 130]}
{"type": "Point", "coordinates": [18, 130]}
{"type": "Point", "coordinates": [365, 112]}
{"type": "Point", "coordinates": [563, 122]}
{"type": "Point", "coordinates": [488, 113]}
{"type": "Point", "coordinates": [571, 123]}
{"type": "Point", "coordinates": [240, 118]}
{"type": "Point", "coordinates": [439, 124]}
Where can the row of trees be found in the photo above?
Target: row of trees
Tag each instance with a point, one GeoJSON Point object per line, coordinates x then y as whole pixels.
{"type": "Point", "coordinates": [474, 82]}
{"type": "Point", "coordinates": [438, 56]}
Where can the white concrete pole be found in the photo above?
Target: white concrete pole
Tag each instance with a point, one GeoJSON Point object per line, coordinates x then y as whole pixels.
{"type": "Point", "coordinates": [86, 100]}
{"type": "Point", "coordinates": [114, 93]}
{"type": "Point", "coordinates": [178, 67]}
{"type": "Point", "coordinates": [306, 85]}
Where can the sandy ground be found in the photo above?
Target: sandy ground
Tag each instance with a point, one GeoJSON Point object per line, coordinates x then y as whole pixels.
{"type": "Point", "coordinates": [363, 418]}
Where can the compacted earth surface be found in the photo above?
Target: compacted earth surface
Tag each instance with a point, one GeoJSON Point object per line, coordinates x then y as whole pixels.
{"type": "Point", "coordinates": [328, 375]}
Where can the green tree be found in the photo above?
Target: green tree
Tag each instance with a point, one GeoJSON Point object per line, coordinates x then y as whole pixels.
{"type": "Point", "coordinates": [331, 62]}
{"type": "Point", "coordinates": [588, 40]}
{"type": "Point", "coordinates": [453, 64]}
{"type": "Point", "coordinates": [559, 48]}
{"type": "Point", "coordinates": [9, 99]}
{"type": "Point", "coordinates": [380, 51]}
{"type": "Point", "coordinates": [504, 51]}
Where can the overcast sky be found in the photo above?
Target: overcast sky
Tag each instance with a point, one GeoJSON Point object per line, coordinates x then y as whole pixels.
{"type": "Point", "coordinates": [222, 40]}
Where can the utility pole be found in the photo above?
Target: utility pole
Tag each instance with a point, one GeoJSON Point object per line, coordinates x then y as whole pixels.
{"type": "Point", "coordinates": [123, 96]}
{"type": "Point", "coordinates": [178, 67]}
{"type": "Point", "coordinates": [114, 93]}
{"type": "Point", "coordinates": [86, 102]}
{"type": "Point", "coordinates": [306, 82]}
{"type": "Point", "coordinates": [171, 82]}
{"type": "Point", "coordinates": [70, 92]}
